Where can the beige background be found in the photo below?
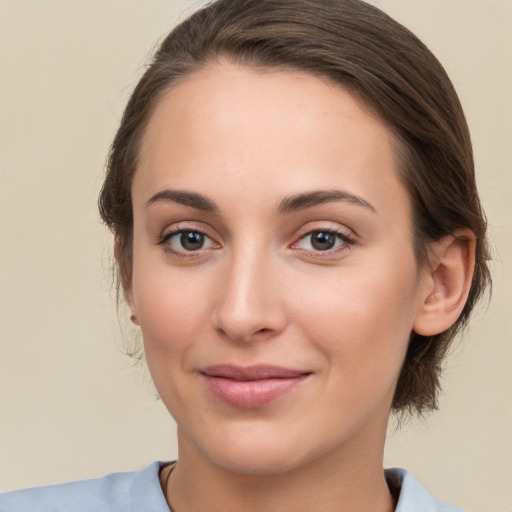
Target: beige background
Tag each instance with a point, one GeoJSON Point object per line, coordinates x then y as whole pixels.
{"type": "Point", "coordinates": [71, 405]}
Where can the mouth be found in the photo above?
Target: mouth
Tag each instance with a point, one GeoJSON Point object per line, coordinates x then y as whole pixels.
{"type": "Point", "coordinates": [251, 387]}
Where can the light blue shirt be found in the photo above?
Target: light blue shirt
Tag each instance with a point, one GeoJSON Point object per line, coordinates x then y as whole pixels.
{"type": "Point", "coordinates": [141, 492]}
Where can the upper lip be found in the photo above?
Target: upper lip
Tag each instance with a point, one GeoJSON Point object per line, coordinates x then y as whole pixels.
{"type": "Point", "coordinates": [248, 373]}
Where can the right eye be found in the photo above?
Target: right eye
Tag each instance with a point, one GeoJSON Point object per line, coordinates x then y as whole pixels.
{"type": "Point", "coordinates": [185, 241]}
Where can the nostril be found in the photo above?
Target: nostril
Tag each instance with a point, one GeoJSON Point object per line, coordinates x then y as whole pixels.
{"type": "Point", "coordinates": [262, 330]}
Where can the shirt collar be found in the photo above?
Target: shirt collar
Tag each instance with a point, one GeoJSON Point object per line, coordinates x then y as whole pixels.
{"type": "Point", "coordinates": [413, 496]}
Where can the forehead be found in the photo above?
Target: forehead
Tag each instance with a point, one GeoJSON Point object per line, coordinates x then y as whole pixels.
{"type": "Point", "coordinates": [230, 95]}
{"type": "Point", "coordinates": [266, 128]}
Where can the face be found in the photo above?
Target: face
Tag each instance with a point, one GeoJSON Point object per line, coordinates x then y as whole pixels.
{"type": "Point", "coordinates": [274, 276]}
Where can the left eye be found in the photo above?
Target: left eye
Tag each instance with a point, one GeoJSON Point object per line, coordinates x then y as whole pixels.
{"type": "Point", "coordinates": [322, 241]}
{"type": "Point", "coordinates": [188, 241]}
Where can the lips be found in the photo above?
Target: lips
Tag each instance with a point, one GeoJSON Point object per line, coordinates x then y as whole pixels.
{"type": "Point", "coordinates": [251, 387]}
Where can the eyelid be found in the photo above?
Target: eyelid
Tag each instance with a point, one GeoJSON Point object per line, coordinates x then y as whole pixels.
{"type": "Point", "coordinates": [343, 234]}
{"type": "Point", "coordinates": [183, 227]}
{"type": "Point", "coordinates": [186, 225]}
{"type": "Point", "coordinates": [328, 226]}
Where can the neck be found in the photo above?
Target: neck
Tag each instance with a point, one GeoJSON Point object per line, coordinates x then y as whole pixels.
{"type": "Point", "coordinates": [337, 482]}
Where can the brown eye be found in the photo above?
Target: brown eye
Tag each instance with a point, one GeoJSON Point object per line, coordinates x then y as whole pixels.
{"type": "Point", "coordinates": [187, 242]}
{"type": "Point", "coordinates": [322, 240]}
{"type": "Point", "coordinates": [191, 240]}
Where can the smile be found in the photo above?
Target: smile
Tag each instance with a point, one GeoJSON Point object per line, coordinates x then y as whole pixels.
{"type": "Point", "coordinates": [251, 387]}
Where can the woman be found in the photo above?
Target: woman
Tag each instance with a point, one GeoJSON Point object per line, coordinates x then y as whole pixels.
{"type": "Point", "coordinates": [299, 237]}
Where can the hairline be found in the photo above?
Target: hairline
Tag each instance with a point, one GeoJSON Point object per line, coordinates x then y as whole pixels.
{"type": "Point", "coordinates": [399, 146]}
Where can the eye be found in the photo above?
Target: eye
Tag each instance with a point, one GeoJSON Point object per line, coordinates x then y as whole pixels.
{"type": "Point", "coordinates": [323, 240]}
{"type": "Point", "coordinates": [183, 241]}
{"type": "Point", "coordinates": [189, 240]}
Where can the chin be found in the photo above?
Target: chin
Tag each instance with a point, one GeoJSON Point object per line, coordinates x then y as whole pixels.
{"type": "Point", "coordinates": [257, 451]}
{"type": "Point", "coordinates": [257, 462]}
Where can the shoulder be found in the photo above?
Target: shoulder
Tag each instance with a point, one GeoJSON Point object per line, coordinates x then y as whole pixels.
{"type": "Point", "coordinates": [413, 496]}
{"type": "Point", "coordinates": [126, 492]}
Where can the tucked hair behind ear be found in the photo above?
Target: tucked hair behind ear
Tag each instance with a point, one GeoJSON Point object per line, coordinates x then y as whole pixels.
{"type": "Point", "coordinates": [360, 48]}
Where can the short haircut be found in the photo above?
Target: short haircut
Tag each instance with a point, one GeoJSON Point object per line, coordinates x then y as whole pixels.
{"type": "Point", "coordinates": [385, 66]}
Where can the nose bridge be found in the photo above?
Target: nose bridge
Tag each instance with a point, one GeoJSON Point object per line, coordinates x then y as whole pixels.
{"type": "Point", "coordinates": [249, 303]}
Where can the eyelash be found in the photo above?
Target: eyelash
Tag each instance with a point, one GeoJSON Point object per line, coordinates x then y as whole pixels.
{"type": "Point", "coordinates": [184, 253]}
{"type": "Point", "coordinates": [346, 240]}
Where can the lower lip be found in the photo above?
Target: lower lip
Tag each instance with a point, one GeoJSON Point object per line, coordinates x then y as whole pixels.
{"type": "Point", "coordinates": [251, 394]}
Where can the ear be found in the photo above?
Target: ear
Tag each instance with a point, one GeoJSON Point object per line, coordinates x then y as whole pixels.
{"type": "Point", "coordinates": [126, 282]}
{"type": "Point", "coordinates": [447, 282]}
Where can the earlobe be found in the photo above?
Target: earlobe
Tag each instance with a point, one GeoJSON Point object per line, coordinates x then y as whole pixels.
{"type": "Point", "coordinates": [447, 284]}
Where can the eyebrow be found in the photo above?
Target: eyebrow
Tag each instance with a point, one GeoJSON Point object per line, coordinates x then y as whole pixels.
{"type": "Point", "coordinates": [289, 204]}
{"type": "Point", "coordinates": [309, 199]}
{"type": "Point", "coordinates": [192, 199]}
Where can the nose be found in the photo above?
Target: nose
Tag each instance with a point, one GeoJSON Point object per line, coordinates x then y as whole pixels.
{"type": "Point", "coordinates": [250, 304]}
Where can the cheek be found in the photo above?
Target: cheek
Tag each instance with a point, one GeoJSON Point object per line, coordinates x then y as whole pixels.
{"type": "Point", "coordinates": [173, 319]}
{"type": "Point", "coordinates": [169, 308]}
{"type": "Point", "coordinates": [364, 318]}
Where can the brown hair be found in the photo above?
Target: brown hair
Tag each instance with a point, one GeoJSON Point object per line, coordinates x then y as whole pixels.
{"type": "Point", "coordinates": [366, 52]}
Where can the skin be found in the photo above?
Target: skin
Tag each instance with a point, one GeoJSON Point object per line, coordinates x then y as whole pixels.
{"type": "Point", "coordinates": [259, 292]}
